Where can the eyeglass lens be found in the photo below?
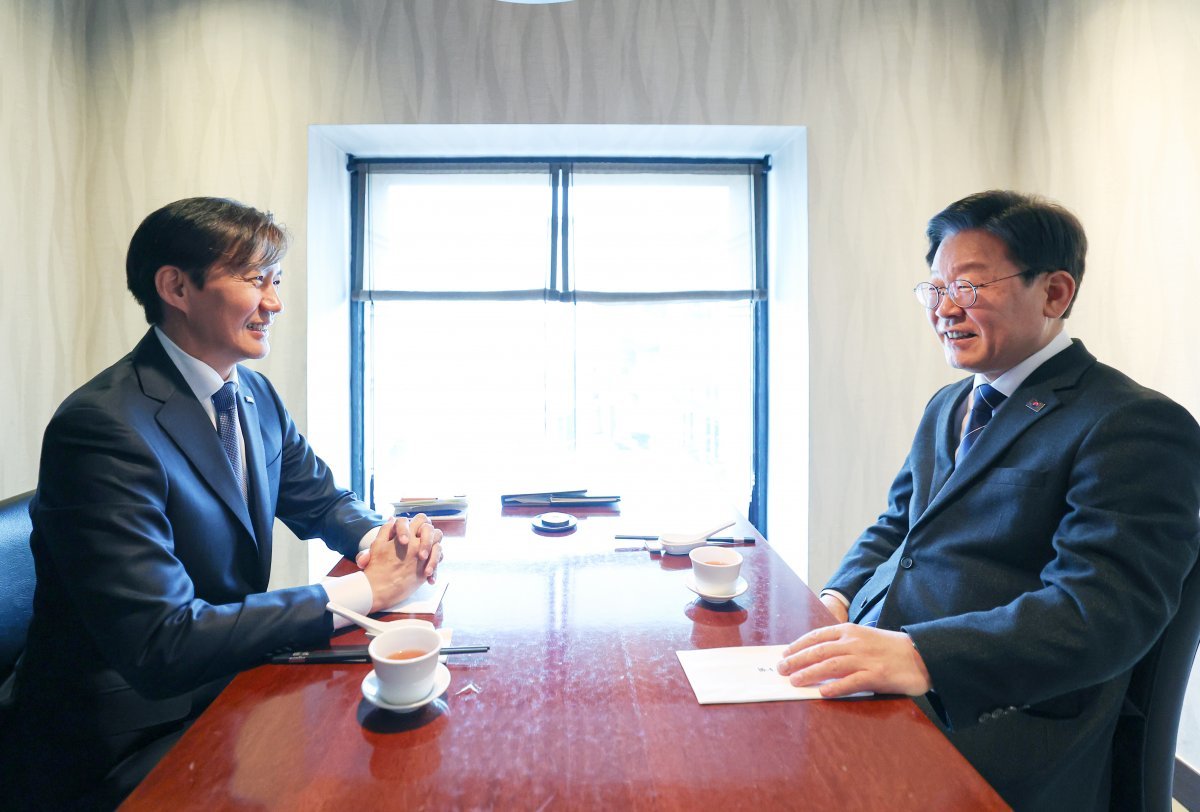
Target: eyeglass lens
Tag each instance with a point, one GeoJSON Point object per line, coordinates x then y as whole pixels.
{"type": "Point", "coordinates": [962, 293]}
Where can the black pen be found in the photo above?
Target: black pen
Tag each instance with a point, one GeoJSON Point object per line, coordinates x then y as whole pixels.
{"type": "Point", "coordinates": [354, 654]}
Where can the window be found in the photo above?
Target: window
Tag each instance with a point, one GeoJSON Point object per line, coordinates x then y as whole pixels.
{"type": "Point", "coordinates": [581, 323]}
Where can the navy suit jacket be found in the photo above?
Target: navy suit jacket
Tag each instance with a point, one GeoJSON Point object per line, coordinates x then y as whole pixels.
{"type": "Point", "coordinates": [151, 569]}
{"type": "Point", "coordinates": [1036, 574]}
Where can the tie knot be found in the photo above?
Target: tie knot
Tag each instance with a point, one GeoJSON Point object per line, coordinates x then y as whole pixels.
{"type": "Point", "coordinates": [987, 398]}
{"type": "Point", "coordinates": [224, 398]}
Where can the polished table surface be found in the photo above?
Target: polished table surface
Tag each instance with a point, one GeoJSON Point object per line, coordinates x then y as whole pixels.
{"type": "Point", "coordinates": [581, 703]}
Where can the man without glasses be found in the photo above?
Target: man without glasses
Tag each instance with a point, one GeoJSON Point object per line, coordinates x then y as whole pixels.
{"type": "Point", "coordinates": [1037, 536]}
{"type": "Point", "coordinates": [159, 483]}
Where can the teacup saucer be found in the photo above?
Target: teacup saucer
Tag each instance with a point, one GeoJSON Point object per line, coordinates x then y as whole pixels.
{"type": "Point", "coordinates": [370, 691]}
{"type": "Point", "coordinates": [739, 586]}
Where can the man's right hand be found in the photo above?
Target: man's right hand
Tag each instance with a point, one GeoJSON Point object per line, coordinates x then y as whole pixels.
{"type": "Point", "coordinates": [394, 570]}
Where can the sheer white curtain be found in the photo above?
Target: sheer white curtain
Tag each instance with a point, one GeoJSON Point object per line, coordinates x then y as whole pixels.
{"type": "Point", "coordinates": [626, 362]}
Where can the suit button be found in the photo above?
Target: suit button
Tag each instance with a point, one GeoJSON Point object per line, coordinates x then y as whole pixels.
{"type": "Point", "coordinates": [906, 562]}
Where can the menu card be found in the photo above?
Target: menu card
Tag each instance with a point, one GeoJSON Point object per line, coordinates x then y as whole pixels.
{"type": "Point", "coordinates": [723, 676]}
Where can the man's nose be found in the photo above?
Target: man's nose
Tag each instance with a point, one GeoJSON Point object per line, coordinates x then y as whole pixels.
{"type": "Point", "coordinates": [271, 301]}
{"type": "Point", "coordinates": [946, 306]}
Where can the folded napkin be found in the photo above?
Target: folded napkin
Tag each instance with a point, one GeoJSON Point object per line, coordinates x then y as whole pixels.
{"type": "Point", "coordinates": [425, 601]}
{"type": "Point", "coordinates": [723, 676]}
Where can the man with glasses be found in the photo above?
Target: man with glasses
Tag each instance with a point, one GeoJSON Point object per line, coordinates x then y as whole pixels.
{"type": "Point", "coordinates": [1037, 536]}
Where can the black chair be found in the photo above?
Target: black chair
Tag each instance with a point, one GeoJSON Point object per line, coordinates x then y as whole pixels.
{"type": "Point", "coordinates": [1144, 744]}
{"type": "Point", "coordinates": [16, 581]}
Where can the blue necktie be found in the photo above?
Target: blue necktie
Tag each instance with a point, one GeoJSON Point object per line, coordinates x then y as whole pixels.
{"type": "Point", "coordinates": [225, 402]}
{"type": "Point", "coordinates": [871, 616]}
{"type": "Point", "coordinates": [987, 400]}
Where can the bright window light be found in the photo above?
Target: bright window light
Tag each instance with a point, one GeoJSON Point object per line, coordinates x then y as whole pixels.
{"type": "Point", "coordinates": [558, 325]}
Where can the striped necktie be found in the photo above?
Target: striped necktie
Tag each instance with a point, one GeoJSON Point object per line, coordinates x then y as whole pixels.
{"type": "Point", "coordinates": [225, 402]}
{"type": "Point", "coordinates": [987, 400]}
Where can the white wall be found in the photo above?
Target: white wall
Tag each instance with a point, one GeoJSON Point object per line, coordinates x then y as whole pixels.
{"type": "Point", "coordinates": [42, 309]}
{"type": "Point", "coordinates": [110, 109]}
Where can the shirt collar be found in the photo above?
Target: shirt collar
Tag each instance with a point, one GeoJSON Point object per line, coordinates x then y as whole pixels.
{"type": "Point", "coordinates": [1007, 383]}
{"type": "Point", "coordinates": [203, 380]}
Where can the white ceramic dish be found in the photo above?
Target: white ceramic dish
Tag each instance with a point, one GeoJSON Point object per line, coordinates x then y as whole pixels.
{"type": "Point", "coordinates": [370, 691]}
{"type": "Point", "coordinates": [739, 586]}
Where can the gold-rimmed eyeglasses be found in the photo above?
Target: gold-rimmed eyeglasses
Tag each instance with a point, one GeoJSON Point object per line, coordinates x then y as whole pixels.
{"type": "Point", "coordinates": [961, 292]}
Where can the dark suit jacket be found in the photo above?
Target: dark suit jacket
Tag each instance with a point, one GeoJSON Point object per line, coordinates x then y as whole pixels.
{"type": "Point", "coordinates": [1034, 576]}
{"type": "Point", "coordinates": [151, 571]}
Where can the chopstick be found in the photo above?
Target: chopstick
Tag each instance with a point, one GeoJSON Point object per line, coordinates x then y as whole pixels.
{"type": "Point", "coordinates": [723, 541]}
{"type": "Point", "coordinates": [713, 540]}
{"type": "Point", "coordinates": [354, 654]}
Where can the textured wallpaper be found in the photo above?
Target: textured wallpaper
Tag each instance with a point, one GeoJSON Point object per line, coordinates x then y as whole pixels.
{"type": "Point", "coordinates": [1110, 126]}
{"type": "Point", "coordinates": [110, 109]}
{"type": "Point", "coordinates": [42, 184]}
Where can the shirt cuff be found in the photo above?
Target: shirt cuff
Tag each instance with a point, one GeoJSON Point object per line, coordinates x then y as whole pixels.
{"type": "Point", "coordinates": [352, 591]}
{"type": "Point", "coordinates": [365, 542]}
{"type": "Point", "coordinates": [836, 594]}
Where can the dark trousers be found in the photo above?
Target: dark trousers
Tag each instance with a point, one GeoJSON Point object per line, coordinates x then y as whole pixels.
{"type": "Point", "coordinates": [34, 779]}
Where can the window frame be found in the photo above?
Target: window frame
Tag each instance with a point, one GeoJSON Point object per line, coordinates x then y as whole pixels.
{"type": "Point", "coordinates": [559, 288]}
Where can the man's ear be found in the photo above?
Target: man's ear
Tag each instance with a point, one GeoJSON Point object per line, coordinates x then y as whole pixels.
{"type": "Point", "coordinates": [173, 286]}
{"type": "Point", "coordinates": [1060, 290]}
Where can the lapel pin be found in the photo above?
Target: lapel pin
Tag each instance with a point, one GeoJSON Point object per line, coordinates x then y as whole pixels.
{"type": "Point", "coordinates": [1035, 405]}
{"type": "Point", "coordinates": [249, 398]}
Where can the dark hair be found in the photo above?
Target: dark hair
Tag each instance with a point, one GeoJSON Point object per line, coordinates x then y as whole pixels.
{"type": "Point", "coordinates": [1040, 236]}
{"type": "Point", "coordinates": [194, 235]}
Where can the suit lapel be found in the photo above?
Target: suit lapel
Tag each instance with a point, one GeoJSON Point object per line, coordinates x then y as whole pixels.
{"type": "Point", "coordinates": [183, 419]}
{"type": "Point", "coordinates": [1037, 397]}
{"type": "Point", "coordinates": [256, 470]}
{"type": "Point", "coordinates": [946, 442]}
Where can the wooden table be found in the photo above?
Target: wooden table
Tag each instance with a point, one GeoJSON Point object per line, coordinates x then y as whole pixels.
{"type": "Point", "coordinates": [580, 704]}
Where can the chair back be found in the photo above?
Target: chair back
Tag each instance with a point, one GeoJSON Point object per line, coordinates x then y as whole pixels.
{"type": "Point", "coordinates": [16, 579]}
{"type": "Point", "coordinates": [1144, 744]}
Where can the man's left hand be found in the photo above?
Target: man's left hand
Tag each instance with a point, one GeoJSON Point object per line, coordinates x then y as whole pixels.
{"type": "Point", "coordinates": [856, 658]}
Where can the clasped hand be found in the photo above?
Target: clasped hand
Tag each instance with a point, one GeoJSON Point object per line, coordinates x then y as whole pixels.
{"type": "Point", "coordinates": [848, 658]}
{"type": "Point", "coordinates": [394, 565]}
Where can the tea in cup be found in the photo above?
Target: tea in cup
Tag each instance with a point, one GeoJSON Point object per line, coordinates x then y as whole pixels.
{"type": "Point", "coordinates": [715, 569]}
{"type": "Point", "coordinates": [406, 659]}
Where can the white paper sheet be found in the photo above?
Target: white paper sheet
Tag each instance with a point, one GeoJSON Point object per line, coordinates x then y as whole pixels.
{"type": "Point", "coordinates": [425, 601]}
{"type": "Point", "coordinates": [741, 674]}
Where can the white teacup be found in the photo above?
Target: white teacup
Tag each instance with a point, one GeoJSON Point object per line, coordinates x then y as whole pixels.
{"type": "Point", "coordinates": [405, 660]}
{"type": "Point", "coordinates": [715, 569]}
